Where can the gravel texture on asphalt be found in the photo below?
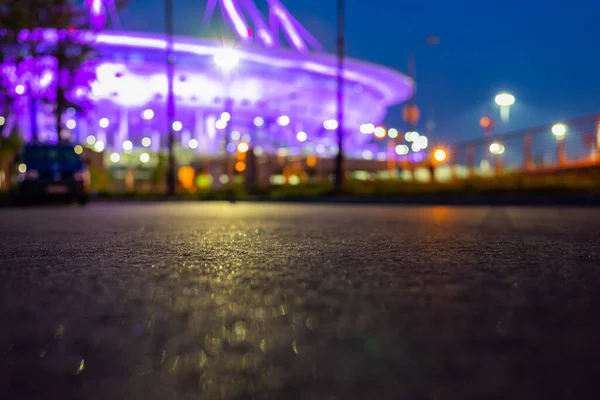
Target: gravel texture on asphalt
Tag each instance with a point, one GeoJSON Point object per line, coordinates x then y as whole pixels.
{"type": "Point", "coordinates": [271, 301]}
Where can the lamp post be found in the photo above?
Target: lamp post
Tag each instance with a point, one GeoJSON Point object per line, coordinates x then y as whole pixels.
{"type": "Point", "coordinates": [505, 101]}
{"type": "Point", "coordinates": [487, 124]}
{"type": "Point", "coordinates": [560, 131]}
{"type": "Point", "coordinates": [339, 159]}
{"type": "Point", "coordinates": [411, 112]}
{"type": "Point", "coordinates": [497, 149]}
{"type": "Point", "coordinates": [226, 60]}
{"type": "Point", "coordinates": [170, 98]}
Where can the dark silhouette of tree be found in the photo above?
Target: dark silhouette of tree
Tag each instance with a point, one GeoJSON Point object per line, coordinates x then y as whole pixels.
{"type": "Point", "coordinates": [60, 29]}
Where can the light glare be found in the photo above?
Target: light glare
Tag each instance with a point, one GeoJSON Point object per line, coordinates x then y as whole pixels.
{"type": "Point", "coordinates": [301, 136]}
{"type": "Point", "coordinates": [220, 124]}
{"type": "Point", "coordinates": [148, 114]}
{"type": "Point", "coordinates": [402, 149]}
{"type": "Point", "coordinates": [99, 146]}
{"type": "Point", "coordinates": [505, 99]}
{"type": "Point", "coordinates": [71, 124]}
{"type": "Point", "coordinates": [559, 130]}
{"type": "Point", "coordinates": [367, 129]}
{"type": "Point", "coordinates": [243, 147]}
{"type": "Point", "coordinates": [144, 157]}
{"type": "Point", "coordinates": [440, 155]}
{"type": "Point", "coordinates": [283, 120]}
{"type": "Point", "coordinates": [226, 59]}
{"type": "Point", "coordinates": [380, 132]}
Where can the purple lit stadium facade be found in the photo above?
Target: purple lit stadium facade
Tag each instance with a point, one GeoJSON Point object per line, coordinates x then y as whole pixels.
{"type": "Point", "coordinates": [276, 96]}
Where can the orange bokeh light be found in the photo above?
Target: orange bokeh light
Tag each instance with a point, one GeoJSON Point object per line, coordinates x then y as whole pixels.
{"type": "Point", "coordinates": [486, 122]}
{"type": "Point", "coordinates": [240, 166]}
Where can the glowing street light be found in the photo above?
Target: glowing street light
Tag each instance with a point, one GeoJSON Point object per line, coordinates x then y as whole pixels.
{"type": "Point", "coordinates": [402, 149]}
{"type": "Point", "coordinates": [380, 132]}
{"type": "Point", "coordinates": [71, 124]}
{"type": "Point", "coordinates": [127, 145]}
{"type": "Point", "coordinates": [259, 121]}
{"type": "Point", "coordinates": [301, 136]}
{"type": "Point", "coordinates": [411, 136]}
{"type": "Point", "coordinates": [227, 59]}
{"type": "Point", "coordinates": [243, 147]}
{"type": "Point", "coordinates": [496, 148]}
{"type": "Point", "coordinates": [330, 124]}
{"type": "Point", "coordinates": [99, 146]}
{"type": "Point", "coordinates": [505, 101]}
{"type": "Point", "coordinates": [177, 126]}
{"type": "Point", "coordinates": [559, 130]}
{"type": "Point", "coordinates": [220, 124]}
{"type": "Point", "coordinates": [440, 155]}
{"type": "Point", "coordinates": [225, 116]}
{"type": "Point", "coordinates": [283, 120]}
{"type": "Point", "coordinates": [147, 114]}
{"type": "Point", "coordinates": [367, 129]}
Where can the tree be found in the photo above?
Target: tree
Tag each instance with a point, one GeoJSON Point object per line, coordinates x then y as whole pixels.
{"type": "Point", "coordinates": [49, 32]}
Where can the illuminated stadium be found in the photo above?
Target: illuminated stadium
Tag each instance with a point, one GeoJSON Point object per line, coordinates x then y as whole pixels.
{"type": "Point", "coordinates": [274, 88]}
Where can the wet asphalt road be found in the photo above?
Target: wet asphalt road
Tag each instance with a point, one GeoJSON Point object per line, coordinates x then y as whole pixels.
{"type": "Point", "coordinates": [267, 301]}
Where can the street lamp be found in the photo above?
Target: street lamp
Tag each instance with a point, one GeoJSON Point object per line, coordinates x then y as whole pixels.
{"type": "Point", "coordinates": [440, 155]}
{"type": "Point", "coordinates": [411, 112]}
{"type": "Point", "coordinates": [560, 131]}
{"type": "Point", "coordinates": [505, 101]}
{"type": "Point", "coordinates": [497, 149]}
{"type": "Point", "coordinates": [226, 60]}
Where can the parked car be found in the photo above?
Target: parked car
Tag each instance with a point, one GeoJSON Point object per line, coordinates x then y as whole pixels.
{"type": "Point", "coordinates": [47, 171]}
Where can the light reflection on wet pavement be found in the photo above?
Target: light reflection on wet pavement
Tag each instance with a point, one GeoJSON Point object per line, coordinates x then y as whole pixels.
{"type": "Point", "coordinates": [221, 301]}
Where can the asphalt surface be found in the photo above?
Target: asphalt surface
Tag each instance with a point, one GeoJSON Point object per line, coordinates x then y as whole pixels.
{"type": "Point", "coordinates": [271, 301]}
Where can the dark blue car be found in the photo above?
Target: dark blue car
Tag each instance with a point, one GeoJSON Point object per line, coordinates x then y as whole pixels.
{"type": "Point", "coordinates": [52, 171]}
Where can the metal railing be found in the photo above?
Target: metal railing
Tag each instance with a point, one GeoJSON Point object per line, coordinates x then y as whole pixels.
{"type": "Point", "coordinates": [539, 149]}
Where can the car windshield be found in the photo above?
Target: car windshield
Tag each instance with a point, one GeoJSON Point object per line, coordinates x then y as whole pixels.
{"type": "Point", "coordinates": [61, 155]}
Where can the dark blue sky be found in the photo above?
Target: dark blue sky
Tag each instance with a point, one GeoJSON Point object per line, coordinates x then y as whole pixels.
{"type": "Point", "coordinates": [547, 53]}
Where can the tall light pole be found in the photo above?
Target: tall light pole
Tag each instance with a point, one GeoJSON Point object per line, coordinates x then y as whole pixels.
{"type": "Point", "coordinates": [411, 112]}
{"type": "Point", "coordinates": [170, 97]}
{"type": "Point", "coordinates": [505, 101]}
{"type": "Point", "coordinates": [339, 159]}
{"type": "Point", "coordinates": [226, 60]}
{"type": "Point", "coordinates": [560, 131]}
